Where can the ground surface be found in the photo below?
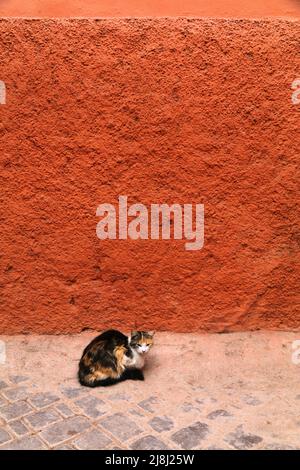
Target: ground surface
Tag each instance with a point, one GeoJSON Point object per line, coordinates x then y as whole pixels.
{"type": "Point", "coordinates": [223, 8]}
{"type": "Point", "coordinates": [230, 391]}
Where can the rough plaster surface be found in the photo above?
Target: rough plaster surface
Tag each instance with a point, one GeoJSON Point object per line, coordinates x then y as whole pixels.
{"type": "Point", "coordinates": [165, 110]}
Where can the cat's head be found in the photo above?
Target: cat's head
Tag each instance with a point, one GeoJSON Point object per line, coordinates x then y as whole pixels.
{"type": "Point", "coordinates": [141, 341]}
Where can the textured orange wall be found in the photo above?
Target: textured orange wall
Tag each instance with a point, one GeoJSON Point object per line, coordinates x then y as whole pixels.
{"type": "Point", "coordinates": [220, 8]}
{"type": "Point", "coordinates": [161, 110]}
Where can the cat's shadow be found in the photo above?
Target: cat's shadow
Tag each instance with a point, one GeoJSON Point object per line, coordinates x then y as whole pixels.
{"type": "Point", "coordinates": [151, 363]}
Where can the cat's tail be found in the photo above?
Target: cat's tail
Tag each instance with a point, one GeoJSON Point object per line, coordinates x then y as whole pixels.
{"type": "Point", "coordinates": [99, 383]}
{"type": "Point", "coordinates": [128, 374]}
{"type": "Point", "coordinates": [88, 380]}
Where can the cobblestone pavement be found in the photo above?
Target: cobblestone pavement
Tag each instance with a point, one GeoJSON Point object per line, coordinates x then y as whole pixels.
{"type": "Point", "coordinates": [230, 391]}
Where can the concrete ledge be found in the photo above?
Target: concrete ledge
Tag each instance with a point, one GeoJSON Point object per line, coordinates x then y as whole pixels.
{"type": "Point", "coordinates": [161, 110]}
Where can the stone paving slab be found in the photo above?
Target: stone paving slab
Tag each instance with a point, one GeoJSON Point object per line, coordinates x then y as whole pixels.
{"type": "Point", "coordinates": [231, 391]}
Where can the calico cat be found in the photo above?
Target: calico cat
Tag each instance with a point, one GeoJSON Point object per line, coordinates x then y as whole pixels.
{"type": "Point", "coordinates": [113, 357]}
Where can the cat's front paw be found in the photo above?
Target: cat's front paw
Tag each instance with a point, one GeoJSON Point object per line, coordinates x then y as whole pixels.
{"type": "Point", "coordinates": [140, 376]}
{"type": "Point", "coordinates": [137, 374]}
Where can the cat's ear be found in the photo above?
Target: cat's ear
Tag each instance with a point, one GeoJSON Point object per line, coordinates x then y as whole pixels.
{"type": "Point", "coordinates": [134, 333]}
{"type": "Point", "coordinates": [151, 333]}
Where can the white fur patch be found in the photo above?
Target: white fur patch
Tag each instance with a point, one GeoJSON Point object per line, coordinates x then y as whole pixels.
{"type": "Point", "coordinates": [137, 360]}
